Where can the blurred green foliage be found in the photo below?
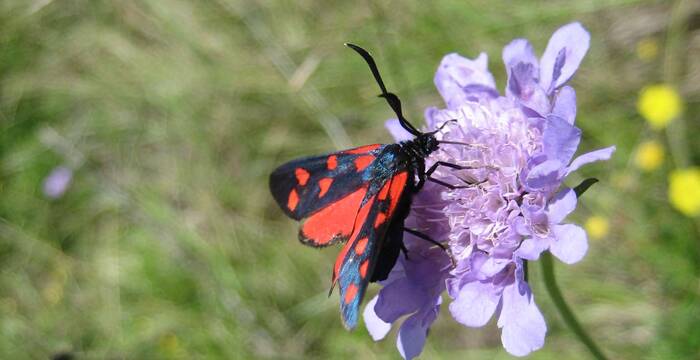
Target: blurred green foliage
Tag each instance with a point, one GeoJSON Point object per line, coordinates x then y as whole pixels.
{"type": "Point", "coordinates": [172, 114]}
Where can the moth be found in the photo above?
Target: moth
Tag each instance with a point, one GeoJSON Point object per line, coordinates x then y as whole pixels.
{"type": "Point", "coordinates": [359, 197]}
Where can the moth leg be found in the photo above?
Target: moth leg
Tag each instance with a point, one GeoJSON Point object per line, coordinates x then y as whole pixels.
{"type": "Point", "coordinates": [437, 164]}
{"type": "Point", "coordinates": [434, 242]}
{"type": "Point", "coordinates": [404, 250]}
{"type": "Point", "coordinates": [434, 167]}
{"type": "Point", "coordinates": [422, 175]}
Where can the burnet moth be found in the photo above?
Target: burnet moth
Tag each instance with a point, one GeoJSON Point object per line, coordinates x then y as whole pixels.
{"type": "Point", "coordinates": [360, 197]}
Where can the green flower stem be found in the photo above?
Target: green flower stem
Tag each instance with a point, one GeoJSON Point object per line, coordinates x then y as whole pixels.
{"type": "Point", "coordinates": [564, 310]}
{"type": "Point", "coordinates": [674, 50]}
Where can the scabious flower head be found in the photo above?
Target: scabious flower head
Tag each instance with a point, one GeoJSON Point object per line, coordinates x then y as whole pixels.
{"type": "Point", "coordinates": [521, 149]}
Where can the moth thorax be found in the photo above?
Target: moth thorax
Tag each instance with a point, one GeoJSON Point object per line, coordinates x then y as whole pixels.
{"type": "Point", "coordinates": [421, 146]}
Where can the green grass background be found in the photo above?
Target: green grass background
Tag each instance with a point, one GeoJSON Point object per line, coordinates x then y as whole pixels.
{"type": "Point", "coordinates": [173, 113]}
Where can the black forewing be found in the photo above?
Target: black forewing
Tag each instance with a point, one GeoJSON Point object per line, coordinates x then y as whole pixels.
{"type": "Point", "coordinates": [340, 168]}
{"type": "Point", "coordinates": [368, 251]}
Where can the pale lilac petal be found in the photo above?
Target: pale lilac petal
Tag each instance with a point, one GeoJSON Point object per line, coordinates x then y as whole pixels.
{"type": "Point", "coordinates": [561, 205]}
{"type": "Point", "coordinates": [520, 227]}
{"type": "Point", "coordinates": [492, 266]}
{"type": "Point", "coordinates": [531, 248]}
{"type": "Point", "coordinates": [564, 53]}
{"type": "Point", "coordinates": [522, 325]}
{"type": "Point", "coordinates": [397, 299]}
{"type": "Point", "coordinates": [469, 269]}
{"type": "Point", "coordinates": [457, 77]}
{"type": "Point", "coordinates": [523, 73]}
{"type": "Point", "coordinates": [544, 174]}
{"type": "Point", "coordinates": [414, 331]}
{"type": "Point", "coordinates": [520, 51]}
{"type": "Point", "coordinates": [565, 104]}
{"type": "Point", "coordinates": [376, 327]}
{"type": "Point", "coordinates": [522, 85]}
{"type": "Point", "coordinates": [411, 339]}
{"type": "Point", "coordinates": [397, 131]}
{"type": "Point", "coordinates": [475, 303]}
{"type": "Point", "coordinates": [571, 243]}
{"type": "Point", "coordinates": [433, 116]}
{"type": "Point", "coordinates": [560, 139]}
{"type": "Point", "coordinates": [587, 158]}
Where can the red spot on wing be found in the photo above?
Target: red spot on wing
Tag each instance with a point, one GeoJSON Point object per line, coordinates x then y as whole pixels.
{"type": "Point", "coordinates": [350, 293]}
{"type": "Point", "coordinates": [302, 176]}
{"type": "Point", "coordinates": [334, 220]}
{"type": "Point", "coordinates": [363, 149]}
{"type": "Point", "coordinates": [381, 217]}
{"type": "Point", "coordinates": [363, 268]}
{"type": "Point", "coordinates": [398, 184]}
{"type": "Point", "coordinates": [361, 218]}
{"type": "Point", "coordinates": [361, 246]}
{"type": "Point", "coordinates": [332, 162]}
{"type": "Point", "coordinates": [384, 191]}
{"type": "Point", "coordinates": [324, 184]}
{"type": "Point", "coordinates": [293, 200]}
{"type": "Point", "coordinates": [362, 162]}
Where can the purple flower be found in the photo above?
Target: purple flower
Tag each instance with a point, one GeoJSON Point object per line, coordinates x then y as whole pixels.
{"type": "Point", "coordinates": [521, 150]}
{"type": "Point", "coordinates": [57, 182]}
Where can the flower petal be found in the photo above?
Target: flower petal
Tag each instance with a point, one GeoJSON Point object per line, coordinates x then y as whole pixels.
{"type": "Point", "coordinates": [565, 104]}
{"type": "Point", "coordinates": [523, 76]}
{"type": "Point", "coordinates": [560, 139]}
{"type": "Point", "coordinates": [413, 332]}
{"type": "Point", "coordinates": [571, 243]}
{"type": "Point", "coordinates": [544, 174]}
{"type": "Point", "coordinates": [587, 158]}
{"type": "Point", "coordinates": [522, 325]}
{"type": "Point", "coordinates": [376, 327]}
{"type": "Point", "coordinates": [397, 131]}
{"type": "Point", "coordinates": [458, 77]}
{"type": "Point", "coordinates": [492, 266]}
{"type": "Point", "coordinates": [475, 303]}
{"type": "Point", "coordinates": [520, 51]}
{"type": "Point", "coordinates": [531, 248]}
{"type": "Point", "coordinates": [561, 205]}
{"type": "Point", "coordinates": [523, 86]}
{"type": "Point", "coordinates": [564, 53]}
{"type": "Point", "coordinates": [398, 299]}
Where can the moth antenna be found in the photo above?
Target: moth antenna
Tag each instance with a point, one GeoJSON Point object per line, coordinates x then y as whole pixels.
{"type": "Point", "coordinates": [391, 98]}
{"type": "Point", "coordinates": [442, 126]}
{"type": "Point", "coordinates": [478, 146]}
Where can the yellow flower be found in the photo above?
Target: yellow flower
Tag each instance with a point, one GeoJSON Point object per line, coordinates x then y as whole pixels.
{"type": "Point", "coordinates": [684, 190]}
{"type": "Point", "coordinates": [649, 156]}
{"type": "Point", "coordinates": [647, 49]}
{"type": "Point", "coordinates": [659, 104]}
{"type": "Point", "coordinates": [597, 227]}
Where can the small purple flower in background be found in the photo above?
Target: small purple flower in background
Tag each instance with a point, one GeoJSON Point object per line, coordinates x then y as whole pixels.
{"type": "Point", "coordinates": [57, 182]}
{"type": "Point", "coordinates": [522, 146]}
